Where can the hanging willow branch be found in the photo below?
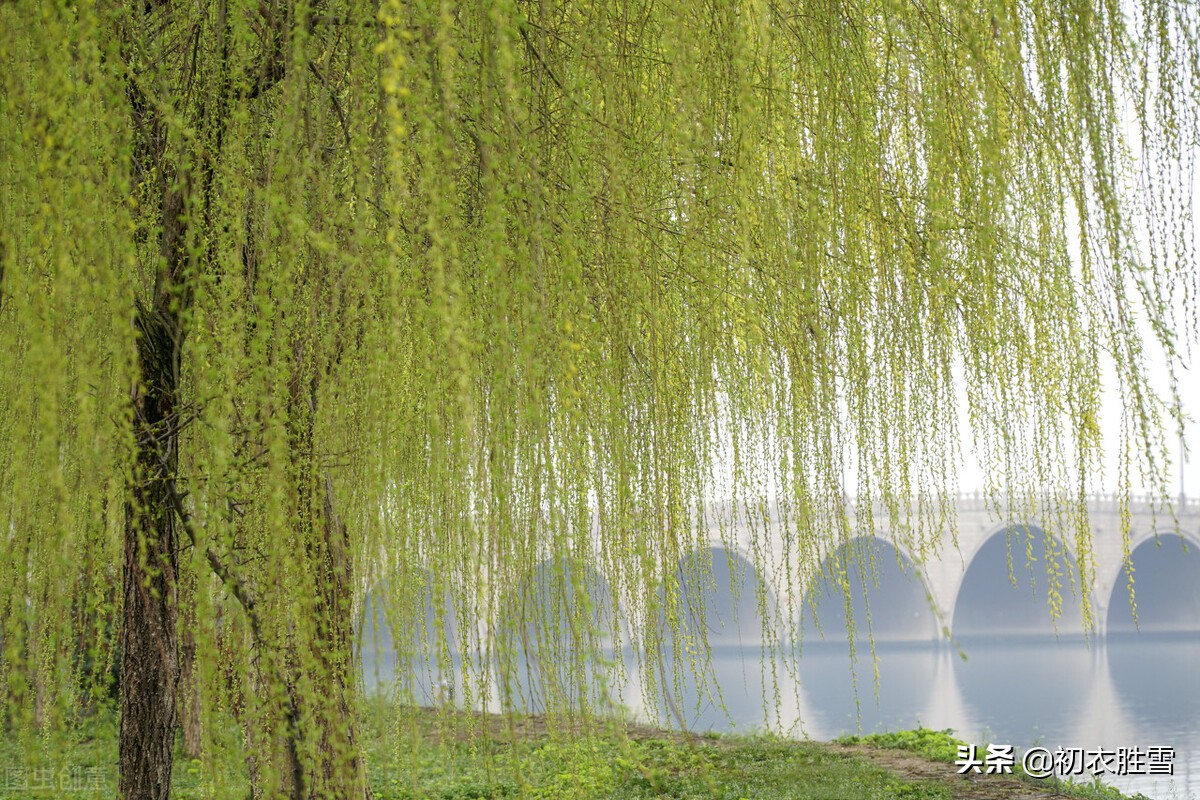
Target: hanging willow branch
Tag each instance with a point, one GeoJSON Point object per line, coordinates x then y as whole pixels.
{"type": "Point", "coordinates": [472, 304]}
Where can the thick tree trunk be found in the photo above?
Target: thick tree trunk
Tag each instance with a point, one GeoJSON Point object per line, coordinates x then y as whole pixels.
{"type": "Point", "coordinates": [149, 646]}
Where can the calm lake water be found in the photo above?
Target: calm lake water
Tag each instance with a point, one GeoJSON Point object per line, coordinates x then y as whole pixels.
{"type": "Point", "coordinates": [1118, 692]}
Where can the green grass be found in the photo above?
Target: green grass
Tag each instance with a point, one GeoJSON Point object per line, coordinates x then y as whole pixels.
{"type": "Point", "coordinates": [943, 746]}
{"type": "Point", "coordinates": [937, 745]}
{"type": "Point", "coordinates": [82, 765]}
{"type": "Point", "coordinates": [421, 754]}
{"type": "Point", "coordinates": [759, 767]}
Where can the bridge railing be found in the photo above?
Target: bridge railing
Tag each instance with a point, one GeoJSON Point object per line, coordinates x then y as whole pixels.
{"type": "Point", "coordinates": [980, 500]}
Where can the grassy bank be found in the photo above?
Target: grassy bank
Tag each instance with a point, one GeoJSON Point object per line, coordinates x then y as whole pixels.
{"type": "Point", "coordinates": [528, 758]}
{"type": "Point", "coordinates": [418, 753]}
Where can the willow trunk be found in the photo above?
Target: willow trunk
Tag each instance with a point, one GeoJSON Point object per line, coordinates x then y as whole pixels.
{"type": "Point", "coordinates": [149, 635]}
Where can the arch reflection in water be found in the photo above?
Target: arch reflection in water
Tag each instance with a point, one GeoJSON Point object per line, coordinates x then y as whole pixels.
{"type": "Point", "coordinates": [730, 683]}
{"type": "Point", "coordinates": [424, 669]}
{"type": "Point", "coordinates": [554, 640]}
{"type": "Point", "coordinates": [886, 675]}
{"type": "Point", "coordinates": [1157, 688]}
{"type": "Point", "coordinates": [844, 696]}
{"type": "Point", "coordinates": [1166, 583]}
{"type": "Point", "coordinates": [1156, 680]}
{"type": "Point", "coordinates": [1008, 587]}
{"type": "Point", "coordinates": [1020, 689]}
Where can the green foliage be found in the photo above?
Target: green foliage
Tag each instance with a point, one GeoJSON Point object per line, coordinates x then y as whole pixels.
{"type": "Point", "coordinates": [938, 745]}
{"type": "Point", "coordinates": [459, 290]}
{"type": "Point", "coordinates": [1092, 791]}
{"type": "Point", "coordinates": [610, 766]}
{"type": "Point", "coordinates": [943, 746]}
{"type": "Point", "coordinates": [1095, 789]}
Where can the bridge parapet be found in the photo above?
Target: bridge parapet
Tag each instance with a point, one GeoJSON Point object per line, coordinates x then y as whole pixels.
{"type": "Point", "coordinates": [1097, 502]}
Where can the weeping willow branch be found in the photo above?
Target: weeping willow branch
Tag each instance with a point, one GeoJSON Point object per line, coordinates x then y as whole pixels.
{"type": "Point", "coordinates": [434, 294]}
{"type": "Point", "coordinates": [241, 591]}
{"type": "Point", "coordinates": [245, 597]}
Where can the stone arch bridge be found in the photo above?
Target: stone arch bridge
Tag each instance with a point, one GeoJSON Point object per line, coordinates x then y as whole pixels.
{"type": "Point", "coordinates": [1007, 574]}
{"type": "Point", "coordinates": [999, 574]}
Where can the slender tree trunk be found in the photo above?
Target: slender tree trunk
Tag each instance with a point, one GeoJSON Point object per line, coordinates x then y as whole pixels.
{"type": "Point", "coordinates": [342, 767]}
{"type": "Point", "coordinates": [337, 769]}
{"type": "Point", "coordinates": [188, 697]}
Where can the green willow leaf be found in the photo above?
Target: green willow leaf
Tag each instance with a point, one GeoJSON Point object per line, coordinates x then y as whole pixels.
{"type": "Point", "coordinates": [474, 306]}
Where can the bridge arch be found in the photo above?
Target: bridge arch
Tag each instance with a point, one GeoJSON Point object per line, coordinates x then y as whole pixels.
{"type": "Point", "coordinates": [721, 591]}
{"type": "Point", "coordinates": [870, 586]}
{"type": "Point", "coordinates": [553, 635]}
{"type": "Point", "coordinates": [1009, 586]}
{"type": "Point", "coordinates": [719, 599]}
{"type": "Point", "coordinates": [1166, 584]}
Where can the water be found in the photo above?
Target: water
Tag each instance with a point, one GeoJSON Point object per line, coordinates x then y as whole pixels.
{"type": "Point", "coordinates": [1120, 692]}
{"type": "Point", "coordinates": [1123, 692]}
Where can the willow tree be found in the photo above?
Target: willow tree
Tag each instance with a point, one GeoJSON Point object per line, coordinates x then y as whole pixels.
{"type": "Point", "coordinates": [299, 296]}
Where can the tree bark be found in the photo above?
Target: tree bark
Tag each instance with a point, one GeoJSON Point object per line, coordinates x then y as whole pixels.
{"type": "Point", "coordinates": [188, 698]}
{"type": "Point", "coordinates": [150, 668]}
{"type": "Point", "coordinates": [321, 755]}
{"type": "Point", "coordinates": [341, 769]}
{"type": "Point", "coordinates": [149, 637]}
{"type": "Point", "coordinates": [337, 769]}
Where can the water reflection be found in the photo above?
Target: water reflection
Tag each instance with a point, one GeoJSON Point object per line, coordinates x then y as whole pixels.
{"type": "Point", "coordinates": [846, 697]}
{"type": "Point", "coordinates": [1121, 692]}
{"type": "Point", "coordinates": [410, 655]}
{"type": "Point", "coordinates": [553, 644]}
{"type": "Point", "coordinates": [714, 674]}
{"type": "Point", "coordinates": [1116, 693]}
{"type": "Point", "coordinates": [1157, 681]}
{"type": "Point", "coordinates": [734, 691]}
{"type": "Point", "coordinates": [1019, 689]}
